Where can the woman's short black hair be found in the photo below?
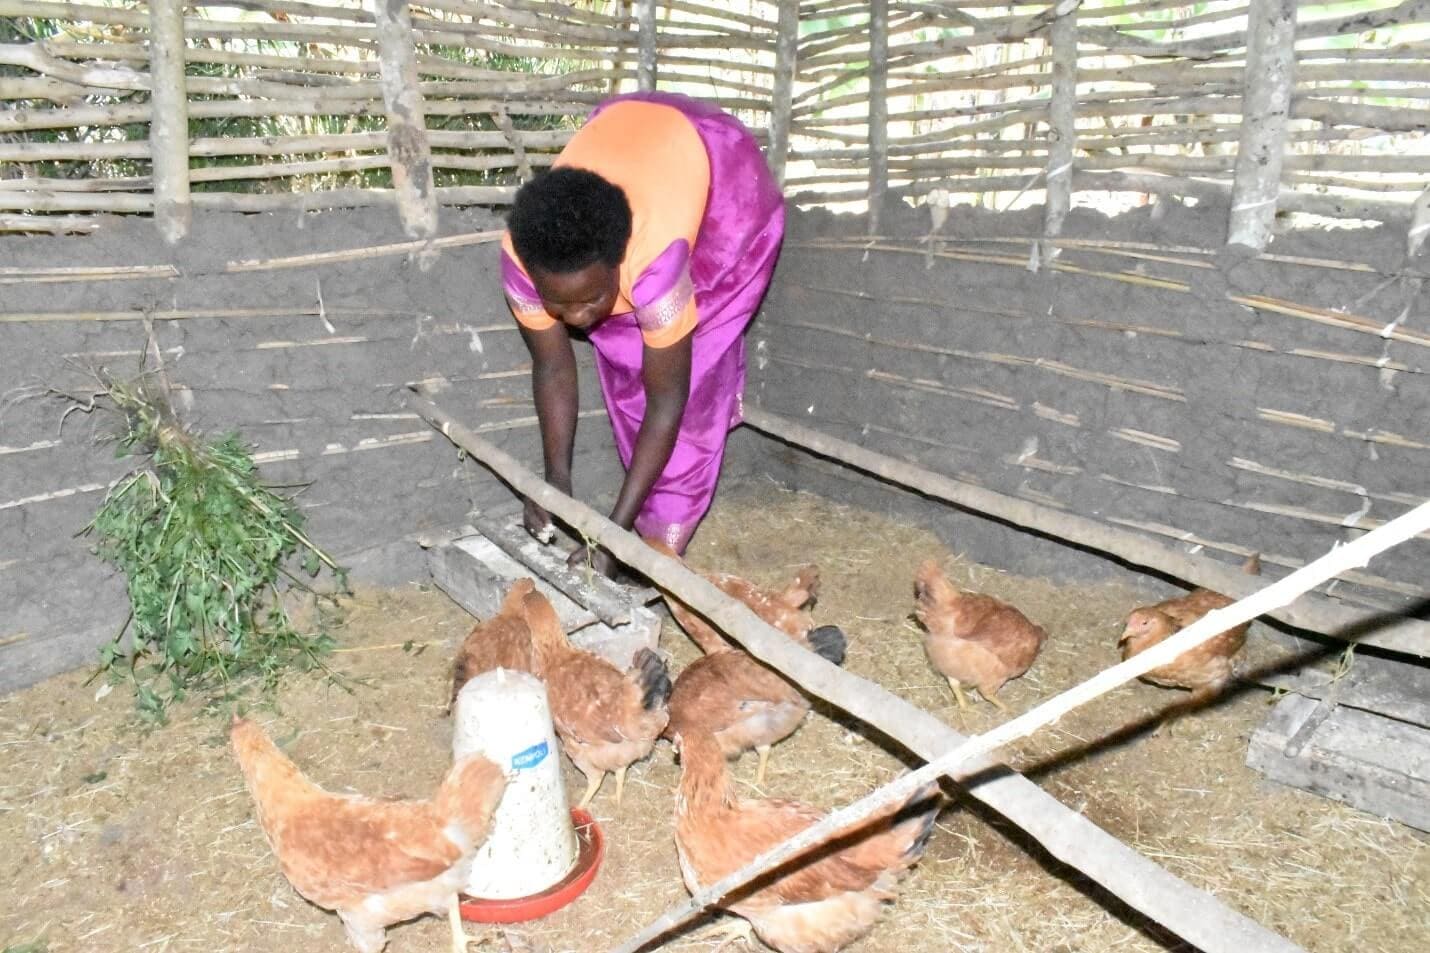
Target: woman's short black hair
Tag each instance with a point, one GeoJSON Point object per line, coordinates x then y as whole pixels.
{"type": "Point", "coordinates": [567, 219]}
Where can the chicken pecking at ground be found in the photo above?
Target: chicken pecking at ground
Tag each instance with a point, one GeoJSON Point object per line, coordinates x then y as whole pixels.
{"type": "Point", "coordinates": [372, 862]}
{"type": "Point", "coordinates": [503, 641]}
{"type": "Point", "coordinates": [744, 704]}
{"type": "Point", "coordinates": [606, 719]}
{"type": "Point", "coordinates": [827, 899]}
{"type": "Point", "coordinates": [1204, 670]}
{"type": "Point", "coordinates": [971, 638]}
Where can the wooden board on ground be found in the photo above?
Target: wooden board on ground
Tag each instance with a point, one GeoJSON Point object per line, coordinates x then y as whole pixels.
{"type": "Point", "coordinates": [611, 602]}
{"type": "Point", "coordinates": [1391, 687]}
{"type": "Point", "coordinates": [1371, 762]}
{"type": "Point", "coordinates": [476, 573]}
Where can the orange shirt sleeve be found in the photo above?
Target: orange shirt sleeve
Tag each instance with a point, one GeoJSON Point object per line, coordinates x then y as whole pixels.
{"type": "Point", "coordinates": [521, 294]}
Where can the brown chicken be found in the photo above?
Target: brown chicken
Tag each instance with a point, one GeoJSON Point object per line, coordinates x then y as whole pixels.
{"type": "Point", "coordinates": [971, 638]}
{"type": "Point", "coordinates": [786, 609]}
{"type": "Point", "coordinates": [745, 705]}
{"type": "Point", "coordinates": [606, 719]}
{"type": "Point", "coordinates": [373, 862]}
{"type": "Point", "coordinates": [831, 898]}
{"type": "Point", "coordinates": [1204, 670]}
{"type": "Point", "coordinates": [503, 641]}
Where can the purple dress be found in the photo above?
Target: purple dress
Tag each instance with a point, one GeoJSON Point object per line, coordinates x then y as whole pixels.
{"type": "Point", "coordinates": [729, 267]}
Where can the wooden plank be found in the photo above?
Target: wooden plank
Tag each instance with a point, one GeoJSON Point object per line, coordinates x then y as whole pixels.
{"type": "Point", "coordinates": [609, 601]}
{"type": "Point", "coordinates": [1062, 128]}
{"type": "Point", "coordinates": [1389, 687]}
{"type": "Point", "coordinates": [169, 125]}
{"type": "Point", "coordinates": [1266, 108]}
{"type": "Point", "coordinates": [646, 62]}
{"type": "Point", "coordinates": [1193, 914]}
{"type": "Point", "coordinates": [1366, 627]}
{"type": "Point", "coordinates": [1368, 761]}
{"type": "Point", "coordinates": [409, 153]}
{"type": "Point", "coordinates": [786, 52]}
{"type": "Point", "coordinates": [878, 110]}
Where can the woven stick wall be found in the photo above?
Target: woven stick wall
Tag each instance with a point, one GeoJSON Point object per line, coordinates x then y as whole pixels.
{"type": "Point", "coordinates": [334, 103]}
{"type": "Point", "coordinates": [1139, 97]}
{"type": "Point", "coordinates": [296, 103]}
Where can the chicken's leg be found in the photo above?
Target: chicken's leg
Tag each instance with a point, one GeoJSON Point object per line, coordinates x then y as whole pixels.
{"type": "Point", "coordinates": [620, 785]}
{"type": "Point", "coordinates": [764, 752]}
{"type": "Point", "coordinates": [995, 700]}
{"type": "Point", "coordinates": [460, 939]}
{"type": "Point", "coordinates": [593, 784]}
{"type": "Point", "coordinates": [958, 693]}
{"type": "Point", "coordinates": [733, 930]}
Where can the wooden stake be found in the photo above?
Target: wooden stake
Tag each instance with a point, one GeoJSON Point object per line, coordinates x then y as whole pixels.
{"type": "Point", "coordinates": [1062, 131]}
{"type": "Point", "coordinates": [1204, 629]}
{"type": "Point", "coordinates": [169, 125]}
{"type": "Point", "coordinates": [1310, 612]}
{"type": "Point", "coordinates": [786, 51]}
{"type": "Point", "coordinates": [1193, 914]}
{"type": "Point", "coordinates": [1266, 108]}
{"type": "Point", "coordinates": [408, 152]}
{"type": "Point", "coordinates": [645, 64]}
{"type": "Point", "coordinates": [878, 110]}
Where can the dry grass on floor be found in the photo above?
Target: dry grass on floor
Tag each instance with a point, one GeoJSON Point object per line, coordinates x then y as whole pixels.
{"type": "Point", "coordinates": [118, 839]}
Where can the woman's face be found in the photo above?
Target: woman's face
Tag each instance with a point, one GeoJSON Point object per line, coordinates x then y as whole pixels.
{"type": "Point", "coordinates": [578, 299]}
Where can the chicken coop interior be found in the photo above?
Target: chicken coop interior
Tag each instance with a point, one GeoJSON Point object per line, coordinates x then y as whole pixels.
{"type": "Point", "coordinates": [1085, 306]}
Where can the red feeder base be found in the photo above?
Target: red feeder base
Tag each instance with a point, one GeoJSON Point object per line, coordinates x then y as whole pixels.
{"type": "Point", "coordinates": [591, 849]}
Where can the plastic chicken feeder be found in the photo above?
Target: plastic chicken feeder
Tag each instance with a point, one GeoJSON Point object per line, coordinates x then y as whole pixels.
{"type": "Point", "coordinates": [540, 855]}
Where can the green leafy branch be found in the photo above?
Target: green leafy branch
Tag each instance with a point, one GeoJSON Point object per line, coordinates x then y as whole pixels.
{"type": "Point", "coordinates": [204, 545]}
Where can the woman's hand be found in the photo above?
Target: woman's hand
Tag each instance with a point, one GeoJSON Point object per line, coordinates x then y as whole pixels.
{"type": "Point", "coordinates": [599, 560]}
{"type": "Point", "coordinates": [538, 522]}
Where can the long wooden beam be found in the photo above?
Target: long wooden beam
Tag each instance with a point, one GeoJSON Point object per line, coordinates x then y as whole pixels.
{"type": "Point", "coordinates": [1312, 612]}
{"type": "Point", "coordinates": [852, 816]}
{"type": "Point", "coordinates": [1193, 914]}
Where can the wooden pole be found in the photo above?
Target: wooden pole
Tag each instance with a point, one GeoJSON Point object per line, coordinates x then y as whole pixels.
{"type": "Point", "coordinates": [1062, 129]}
{"type": "Point", "coordinates": [1212, 624]}
{"type": "Point", "coordinates": [645, 63]}
{"type": "Point", "coordinates": [408, 151]}
{"type": "Point", "coordinates": [1068, 836]}
{"type": "Point", "coordinates": [878, 110]}
{"type": "Point", "coordinates": [1266, 108]}
{"type": "Point", "coordinates": [786, 53]}
{"type": "Point", "coordinates": [169, 122]}
{"type": "Point", "coordinates": [1310, 612]}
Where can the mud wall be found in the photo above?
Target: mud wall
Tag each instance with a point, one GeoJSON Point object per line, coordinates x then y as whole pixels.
{"type": "Point", "coordinates": [1150, 400]}
{"type": "Point", "coordinates": [1142, 384]}
{"type": "Point", "coordinates": [308, 363]}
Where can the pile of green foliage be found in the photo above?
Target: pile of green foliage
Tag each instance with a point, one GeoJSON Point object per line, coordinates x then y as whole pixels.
{"type": "Point", "coordinates": [204, 545]}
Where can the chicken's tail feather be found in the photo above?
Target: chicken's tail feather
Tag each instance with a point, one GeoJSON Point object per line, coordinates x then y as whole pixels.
{"type": "Point", "coordinates": [829, 643]}
{"type": "Point", "coordinates": [904, 834]}
{"type": "Point", "coordinates": [653, 676]}
{"type": "Point", "coordinates": [804, 590]}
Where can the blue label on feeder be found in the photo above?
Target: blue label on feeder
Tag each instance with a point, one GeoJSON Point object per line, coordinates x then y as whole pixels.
{"type": "Point", "coordinates": [530, 758]}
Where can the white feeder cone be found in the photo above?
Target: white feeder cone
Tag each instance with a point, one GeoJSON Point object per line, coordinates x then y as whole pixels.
{"type": "Point", "coordinates": [504, 715]}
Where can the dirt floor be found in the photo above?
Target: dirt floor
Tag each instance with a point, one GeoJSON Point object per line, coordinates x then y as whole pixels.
{"type": "Point", "coordinates": [121, 839]}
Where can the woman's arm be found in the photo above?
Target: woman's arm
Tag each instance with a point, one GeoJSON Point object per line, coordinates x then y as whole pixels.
{"type": "Point", "coordinates": [665, 375]}
{"type": "Point", "coordinates": [553, 388]}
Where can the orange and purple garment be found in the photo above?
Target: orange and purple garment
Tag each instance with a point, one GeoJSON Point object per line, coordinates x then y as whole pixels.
{"type": "Point", "coordinates": [707, 222]}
